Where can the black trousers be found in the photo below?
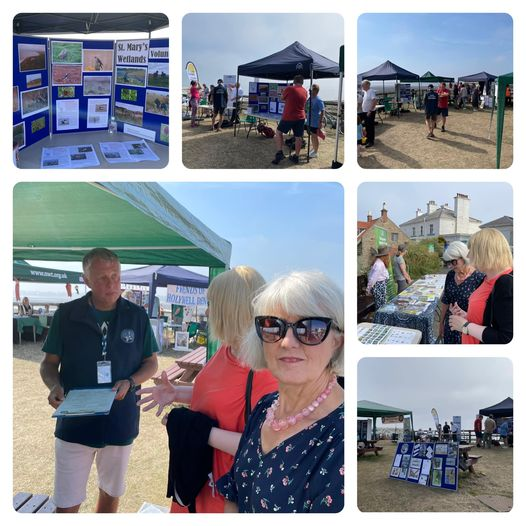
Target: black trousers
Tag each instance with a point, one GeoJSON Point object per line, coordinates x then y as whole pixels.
{"type": "Point", "coordinates": [369, 125]}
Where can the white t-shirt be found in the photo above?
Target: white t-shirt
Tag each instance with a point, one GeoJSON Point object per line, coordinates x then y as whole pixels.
{"type": "Point", "coordinates": [368, 97]}
{"type": "Point", "coordinates": [232, 95]}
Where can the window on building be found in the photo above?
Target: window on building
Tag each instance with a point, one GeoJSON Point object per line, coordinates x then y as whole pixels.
{"type": "Point", "coordinates": [414, 231]}
{"type": "Point", "coordinates": [431, 229]}
{"type": "Point", "coordinates": [360, 251]}
{"type": "Point", "coordinates": [394, 237]}
{"type": "Point", "coordinates": [421, 230]}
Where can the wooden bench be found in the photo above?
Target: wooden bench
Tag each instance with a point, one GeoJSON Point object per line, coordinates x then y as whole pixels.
{"type": "Point", "coordinates": [363, 450]}
{"type": "Point", "coordinates": [33, 503]}
{"type": "Point", "coordinates": [185, 369]}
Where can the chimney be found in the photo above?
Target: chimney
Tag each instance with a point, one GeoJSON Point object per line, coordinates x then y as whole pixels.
{"type": "Point", "coordinates": [418, 212]}
{"type": "Point", "coordinates": [384, 213]}
{"type": "Point", "coordinates": [462, 214]}
{"type": "Point", "coordinates": [431, 207]}
{"type": "Point", "coordinates": [369, 217]}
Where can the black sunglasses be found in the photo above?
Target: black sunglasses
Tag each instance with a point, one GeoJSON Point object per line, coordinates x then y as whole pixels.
{"type": "Point", "coordinates": [451, 262]}
{"type": "Point", "coordinates": [309, 331]}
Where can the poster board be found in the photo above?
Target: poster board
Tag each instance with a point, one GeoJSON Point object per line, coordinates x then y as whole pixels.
{"type": "Point", "coordinates": [81, 84]}
{"type": "Point", "coordinates": [428, 464]}
{"type": "Point", "coordinates": [265, 97]}
{"type": "Point", "coordinates": [142, 94]}
{"type": "Point", "coordinates": [30, 90]}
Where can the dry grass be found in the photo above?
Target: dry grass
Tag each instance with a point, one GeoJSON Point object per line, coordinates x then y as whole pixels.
{"type": "Point", "coordinates": [376, 492]}
{"type": "Point", "coordinates": [402, 143]}
{"type": "Point", "coordinates": [33, 440]}
{"type": "Point", "coordinates": [203, 148]}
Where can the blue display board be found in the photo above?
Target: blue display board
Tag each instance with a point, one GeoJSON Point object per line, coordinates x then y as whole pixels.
{"type": "Point", "coordinates": [427, 464]}
{"type": "Point", "coordinates": [266, 98]}
{"type": "Point", "coordinates": [142, 88]}
{"type": "Point", "coordinates": [30, 90]}
{"type": "Point", "coordinates": [81, 84]}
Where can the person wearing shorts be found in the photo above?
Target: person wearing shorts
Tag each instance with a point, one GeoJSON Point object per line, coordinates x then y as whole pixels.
{"type": "Point", "coordinates": [293, 118]}
{"type": "Point", "coordinates": [220, 101]}
{"type": "Point", "coordinates": [443, 103]}
{"type": "Point", "coordinates": [314, 112]}
{"type": "Point", "coordinates": [99, 340]}
{"type": "Point", "coordinates": [431, 109]}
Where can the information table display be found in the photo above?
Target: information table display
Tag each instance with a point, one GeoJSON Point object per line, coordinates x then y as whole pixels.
{"type": "Point", "coordinates": [417, 307]}
{"type": "Point", "coordinates": [435, 465]}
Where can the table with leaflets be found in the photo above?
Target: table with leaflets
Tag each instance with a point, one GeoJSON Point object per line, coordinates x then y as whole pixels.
{"type": "Point", "coordinates": [417, 307]}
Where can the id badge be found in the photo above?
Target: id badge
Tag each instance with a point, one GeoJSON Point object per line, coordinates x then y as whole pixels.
{"type": "Point", "coordinates": [104, 372]}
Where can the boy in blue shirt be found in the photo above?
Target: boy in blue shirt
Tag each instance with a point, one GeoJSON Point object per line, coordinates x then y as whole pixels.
{"type": "Point", "coordinates": [431, 109]}
{"type": "Point", "coordinates": [314, 111]}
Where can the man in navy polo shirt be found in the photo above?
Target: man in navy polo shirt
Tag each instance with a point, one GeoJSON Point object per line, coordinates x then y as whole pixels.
{"type": "Point", "coordinates": [99, 340]}
{"type": "Point", "coordinates": [431, 109]}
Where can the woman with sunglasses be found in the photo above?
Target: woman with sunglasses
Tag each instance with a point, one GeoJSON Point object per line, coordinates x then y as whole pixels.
{"type": "Point", "coordinates": [461, 281]}
{"type": "Point", "coordinates": [290, 458]}
{"type": "Point", "coordinates": [220, 388]}
{"type": "Point", "coordinates": [489, 316]}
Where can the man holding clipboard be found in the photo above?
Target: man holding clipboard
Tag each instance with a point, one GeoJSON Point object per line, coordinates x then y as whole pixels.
{"type": "Point", "coordinates": [98, 341]}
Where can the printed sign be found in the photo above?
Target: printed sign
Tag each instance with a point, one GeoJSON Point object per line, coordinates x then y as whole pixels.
{"type": "Point", "coordinates": [132, 52]}
{"type": "Point", "coordinates": [191, 72]}
{"type": "Point", "coordinates": [187, 296]}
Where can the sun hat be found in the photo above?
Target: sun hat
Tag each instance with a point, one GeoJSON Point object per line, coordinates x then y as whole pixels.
{"type": "Point", "coordinates": [456, 250]}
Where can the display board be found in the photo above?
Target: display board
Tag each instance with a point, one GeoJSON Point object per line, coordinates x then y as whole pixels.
{"type": "Point", "coordinates": [142, 88]}
{"type": "Point", "coordinates": [265, 97]}
{"type": "Point", "coordinates": [428, 464]}
{"type": "Point", "coordinates": [30, 90]}
{"type": "Point", "coordinates": [81, 84]}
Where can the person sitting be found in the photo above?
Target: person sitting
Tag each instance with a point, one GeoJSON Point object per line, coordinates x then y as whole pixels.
{"type": "Point", "coordinates": [25, 308]}
{"type": "Point", "coordinates": [291, 454]}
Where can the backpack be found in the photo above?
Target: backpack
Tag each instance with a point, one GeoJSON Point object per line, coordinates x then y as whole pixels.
{"type": "Point", "coordinates": [267, 131]}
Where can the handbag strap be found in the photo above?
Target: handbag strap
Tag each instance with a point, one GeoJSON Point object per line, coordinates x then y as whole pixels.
{"type": "Point", "coordinates": [248, 394]}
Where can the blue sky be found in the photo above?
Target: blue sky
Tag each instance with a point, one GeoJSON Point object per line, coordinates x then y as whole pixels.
{"type": "Point", "coordinates": [488, 200]}
{"type": "Point", "coordinates": [449, 44]}
{"type": "Point", "coordinates": [453, 386]}
{"type": "Point", "coordinates": [218, 43]}
{"type": "Point", "coordinates": [274, 227]}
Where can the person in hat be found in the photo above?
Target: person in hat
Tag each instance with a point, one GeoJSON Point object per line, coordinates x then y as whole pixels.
{"type": "Point", "coordinates": [461, 281]}
{"type": "Point", "coordinates": [431, 109]}
{"type": "Point", "coordinates": [220, 100]}
{"type": "Point", "coordinates": [401, 275]}
{"type": "Point", "coordinates": [378, 276]}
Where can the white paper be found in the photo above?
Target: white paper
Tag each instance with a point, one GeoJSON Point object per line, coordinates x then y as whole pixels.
{"type": "Point", "coordinates": [83, 156]}
{"type": "Point", "coordinates": [426, 467]}
{"type": "Point", "coordinates": [273, 106]}
{"type": "Point", "coordinates": [67, 114]}
{"type": "Point", "coordinates": [252, 87]}
{"type": "Point", "coordinates": [98, 110]}
{"type": "Point", "coordinates": [397, 460]}
{"type": "Point", "coordinates": [86, 402]}
{"type": "Point", "coordinates": [55, 158]}
{"type": "Point", "coordinates": [115, 152]}
{"type": "Point", "coordinates": [140, 151]}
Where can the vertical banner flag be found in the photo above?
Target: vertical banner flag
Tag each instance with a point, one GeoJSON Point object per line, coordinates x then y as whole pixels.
{"type": "Point", "coordinates": [191, 71]}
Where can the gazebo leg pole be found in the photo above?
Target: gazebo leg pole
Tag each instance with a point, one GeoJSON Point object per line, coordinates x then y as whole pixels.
{"type": "Point", "coordinates": [310, 116]}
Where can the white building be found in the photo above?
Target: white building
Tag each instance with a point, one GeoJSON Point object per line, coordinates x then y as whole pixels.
{"type": "Point", "coordinates": [505, 225]}
{"type": "Point", "coordinates": [440, 220]}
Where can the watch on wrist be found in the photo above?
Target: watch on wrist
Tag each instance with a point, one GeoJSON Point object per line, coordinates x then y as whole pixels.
{"type": "Point", "coordinates": [133, 385]}
{"type": "Point", "coordinates": [465, 328]}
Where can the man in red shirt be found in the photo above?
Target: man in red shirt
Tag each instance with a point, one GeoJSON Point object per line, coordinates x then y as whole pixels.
{"type": "Point", "coordinates": [478, 429]}
{"type": "Point", "coordinates": [293, 118]}
{"type": "Point", "coordinates": [443, 102]}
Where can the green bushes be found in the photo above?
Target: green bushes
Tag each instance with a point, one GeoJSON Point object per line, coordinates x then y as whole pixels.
{"type": "Point", "coordinates": [424, 257]}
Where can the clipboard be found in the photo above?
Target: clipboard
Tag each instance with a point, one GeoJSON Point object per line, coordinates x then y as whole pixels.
{"type": "Point", "coordinates": [86, 402]}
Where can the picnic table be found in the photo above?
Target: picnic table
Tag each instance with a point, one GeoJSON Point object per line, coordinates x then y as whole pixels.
{"type": "Point", "coordinates": [466, 461]}
{"type": "Point", "coordinates": [185, 369]}
{"type": "Point", "coordinates": [417, 307]}
{"type": "Point", "coordinates": [369, 446]}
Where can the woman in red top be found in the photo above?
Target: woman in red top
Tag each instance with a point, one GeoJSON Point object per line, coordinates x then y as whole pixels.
{"type": "Point", "coordinates": [489, 318]}
{"type": "Point", "coordinates": [219, 389]}
{"type": "Point", "coordinates": [195, 95]}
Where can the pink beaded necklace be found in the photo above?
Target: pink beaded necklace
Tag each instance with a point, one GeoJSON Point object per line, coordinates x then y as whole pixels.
{"type": "Point", "coordinates": [284, 423]}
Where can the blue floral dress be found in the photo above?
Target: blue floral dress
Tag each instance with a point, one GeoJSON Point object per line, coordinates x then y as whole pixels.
{"type": "Point", "coordinates": [460, 294]}
{"type": "Point", "coordinates": [304, 473]}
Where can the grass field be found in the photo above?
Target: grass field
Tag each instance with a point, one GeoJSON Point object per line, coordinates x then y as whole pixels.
{"type": "Point", "coordinates": [33, 441]}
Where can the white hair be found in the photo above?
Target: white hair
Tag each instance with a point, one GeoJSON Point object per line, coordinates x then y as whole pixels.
{"type": "Point", "coordinates": [304, 294]}
{"type": "Point", "coordinates": [456, 250]}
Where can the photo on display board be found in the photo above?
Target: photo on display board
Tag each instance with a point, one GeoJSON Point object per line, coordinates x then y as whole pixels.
{"type": "Point", "coordinates": [34, 101]}
{"type": "Point", "coordinates": [63, 74]}
{"type": "Point", "coordinates": [67, 92]}
{"type": "Point", "coordinates": [181, 340]}
{"type": "Point", "coordinates": [97, 60]}
{"type": "Point", "coordinates": [66, 52]}
{"type": "Point", "coordinates": [157, 102]}
{"type": "Point", "coordinates": [19, 135]}
{"type": "Point", "coordinates": [33, 81]}
{"type": "Point", "coordinates": [129, 113]}
{"type": "Point", "coordinates": [129, 94]}
{"type": "Point", "coordinates": [96, 85]}
{"type": "Point", "coordinates": [16, 99]}
{"type": "Point", "coordinates": [31, 57]}
{"type": "Point", "coordinates": [38, 124]}
{"type": "Point", "coordinates": [164, 135]}
{"type": "Point", "coordinates": [130, 76]}
{"type": "Point", "coordinates": [158, 74]}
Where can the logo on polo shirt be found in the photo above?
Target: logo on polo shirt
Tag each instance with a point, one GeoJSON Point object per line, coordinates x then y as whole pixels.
{"type": "Point", "coordinates": [128, 335]}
